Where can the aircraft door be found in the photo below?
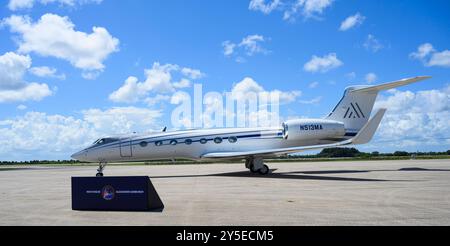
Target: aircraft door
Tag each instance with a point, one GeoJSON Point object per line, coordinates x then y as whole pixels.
{"type": "Point", "coordinates": [125, 148]}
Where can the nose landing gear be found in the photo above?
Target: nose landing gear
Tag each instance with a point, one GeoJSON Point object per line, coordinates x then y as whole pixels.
{"type": "Point", "coordinates": [256, 165]}
{"type": "Point", "coordinates": [101, 167]}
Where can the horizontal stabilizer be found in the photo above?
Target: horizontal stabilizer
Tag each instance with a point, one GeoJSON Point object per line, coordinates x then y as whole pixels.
{"type": "Point", "coordinates": [366, 133]}
{"type": "Point", "coordinates": [391, 85]}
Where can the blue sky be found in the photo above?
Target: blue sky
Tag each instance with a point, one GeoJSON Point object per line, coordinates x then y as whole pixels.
{"type": "Point", "coordinates": [76, 70]}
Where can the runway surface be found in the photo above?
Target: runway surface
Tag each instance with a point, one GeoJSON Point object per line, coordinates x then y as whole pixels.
{"type": "Point", "coordinates": [412, 192]}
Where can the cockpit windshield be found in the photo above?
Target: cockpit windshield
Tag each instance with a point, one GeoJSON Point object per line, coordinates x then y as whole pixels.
{"type": "Point", "coordinates": [104, 141]}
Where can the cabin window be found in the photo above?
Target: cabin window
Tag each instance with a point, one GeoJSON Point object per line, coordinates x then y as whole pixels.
{"type": "Point", "coordinates": [158, 143]}
{"type": "Point", "coordinates": [203, 141]}
{"type": "Point", "coordinates": [217, 140]}
{"type": "Point", "coordinates": [173, 142]}
{"type": "Point", "coordinates": [232, 139]}
{"type": "Point", "coordinates": [188, 141]}
{"type": "Point", "coordinates": [143, 144]}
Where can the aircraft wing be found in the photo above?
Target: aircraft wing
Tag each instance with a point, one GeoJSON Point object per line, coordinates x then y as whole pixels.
{"type": "Point", "coordinates": [364, 136]}
{"type": "Point", "coordinates": [279, 151]}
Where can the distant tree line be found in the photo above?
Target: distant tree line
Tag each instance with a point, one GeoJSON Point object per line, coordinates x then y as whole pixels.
{"type": "Point", "coordinates": [325, 153]}
{"type": "Point", "coordinates": [353, 152]}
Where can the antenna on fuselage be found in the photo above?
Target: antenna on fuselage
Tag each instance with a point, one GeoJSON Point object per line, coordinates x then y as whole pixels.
{"type": "Point", "coordinates": [164, 129]}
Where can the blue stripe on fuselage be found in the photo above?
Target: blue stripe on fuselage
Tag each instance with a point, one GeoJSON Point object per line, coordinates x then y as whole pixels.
{"type": "Point", "coordinates": [171, 137]}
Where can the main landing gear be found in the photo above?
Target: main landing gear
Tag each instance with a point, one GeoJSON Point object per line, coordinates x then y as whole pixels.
{"type": "Point", "coordinates": [256, 165]}
{"type": "Point", "coordinates": [101, 166]}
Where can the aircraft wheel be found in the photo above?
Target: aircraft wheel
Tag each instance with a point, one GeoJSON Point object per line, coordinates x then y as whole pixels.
{"type": "Point", "coordinates": [252, 168]}
{"type": "Point", "coordinates": [99, 175]}
{"type": "Point", "coordinates": [264, 170]}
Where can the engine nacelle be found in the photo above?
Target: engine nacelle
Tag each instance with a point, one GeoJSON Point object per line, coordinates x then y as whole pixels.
{"type": "Point", "coordinates": [307, 129]}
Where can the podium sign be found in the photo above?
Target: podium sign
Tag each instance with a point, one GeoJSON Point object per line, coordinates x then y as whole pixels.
{"type": "Point", "coordinates": [115, 194]}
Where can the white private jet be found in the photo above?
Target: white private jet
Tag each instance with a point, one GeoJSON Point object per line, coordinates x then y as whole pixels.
{"type": "Point", "coordinates": [347, 124]}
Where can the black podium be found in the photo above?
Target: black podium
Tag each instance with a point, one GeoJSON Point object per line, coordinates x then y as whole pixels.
{"type": "Point", "coordinates": [115, 194]}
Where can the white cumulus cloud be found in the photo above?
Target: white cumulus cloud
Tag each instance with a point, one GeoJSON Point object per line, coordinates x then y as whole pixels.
{"type": "Point", "coordinates": [314, 101]}
{"type": "Point", "coordinates": [441, 59]}
{"type": "Point", "coordinates": [372, 44]}
{"type": "Point", "coordinates": [253, 103]}
{"type": "Point", "coordinates": [264, 6]}
{"type": "Point", "coordinates": [121, 120]}
{"type": "Point", "coordinates": [430, 57]}
{"type": "Point", "coordinates": [423, 51]}
{"type": "Point", "coordinates": [15, 5]}
{"type": "Point", "coordinates": [159, 79]}
{"type": "Point", "coordinates": [415, 120]}
{"type": "Point", "coordinates": [43, 135]}
{"type": "Point", "coordinates": [308, 8]}
{"type": "Point", "coordinates": [47, 72]}
{"type": "Point", "coordinates": [159, 98]}
{"type": "Point", "coordinates": [291, 9]}
{"type": "Point", "coordinates": [370, 78]}
{"type": "Point", "coordinates": [352, 21]}
{"type": "Point", "coordinates": [21, 107]}
{"type": "Point", "coordinates": [129, 92]}
{"type": "Point", "coordinates": [55, 36]}
{"type": "Point", "coordinates": [243, 89]}
{"type": "Point", "coordinates": [313, 85]}
{"type": "Point", "coordinates": [12, 70]}
{"type": "Point", "coordinates": [38, 135]}
{"type": "Point", "coordinates": [31, 91]}
{"type": "Point", "coordinates": [250, 45]}
{"type": "Point", "coordinates": [192, 73]}
{"type": "Point", "coordinates": [228, 47]}
{"type": "Point", "coordinates": [13, 87]}
{"type": "Point", "coordinates": [322, 64]}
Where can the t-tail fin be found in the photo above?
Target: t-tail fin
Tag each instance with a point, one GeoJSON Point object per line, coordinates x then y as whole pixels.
{"type": "Point", "coordinates": [356, 105]}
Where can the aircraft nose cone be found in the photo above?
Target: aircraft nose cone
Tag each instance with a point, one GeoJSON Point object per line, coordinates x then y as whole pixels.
{"type": "Point", "coordinates": [78, 155]}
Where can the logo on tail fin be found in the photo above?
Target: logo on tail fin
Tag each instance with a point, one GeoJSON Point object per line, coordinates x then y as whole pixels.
{"type": "Point", "coordinates": [354, 111]}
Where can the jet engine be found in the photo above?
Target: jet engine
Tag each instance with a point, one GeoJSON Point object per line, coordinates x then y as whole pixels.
{"type": "Point", "coordinates": [307, 129]}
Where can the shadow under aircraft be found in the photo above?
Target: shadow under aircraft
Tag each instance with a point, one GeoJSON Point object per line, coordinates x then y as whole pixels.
{"type": "Point", "coordinates": [309, 175]}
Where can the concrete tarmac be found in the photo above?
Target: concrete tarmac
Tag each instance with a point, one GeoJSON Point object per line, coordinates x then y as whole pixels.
{"type": "Point", "coordinates": [411, 192]}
